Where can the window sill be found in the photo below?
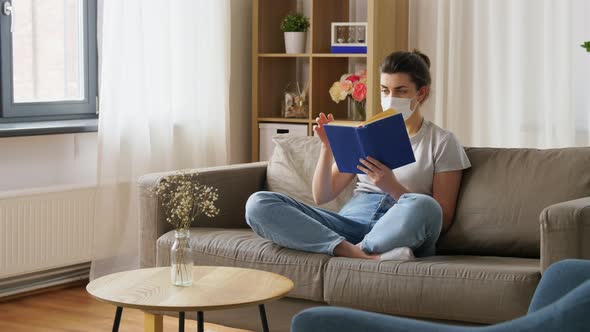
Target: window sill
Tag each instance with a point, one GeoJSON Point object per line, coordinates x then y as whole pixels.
{"type": "Point", "coordinates": [48, 127]}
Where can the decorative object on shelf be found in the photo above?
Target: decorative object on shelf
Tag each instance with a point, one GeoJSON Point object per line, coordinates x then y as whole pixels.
{"type": "Point", "coordinates": [295, 28]}
{"type": "Point", "coordinates": [184, 199]}
{"type": "Point", "coordinates": [352, 87]}
{"type": "Point", "coordinates": [586, 45]}
{"type": "Point", "coordinates": [294, 104]}
{"type": "Point", "coordinates": [349, 37]}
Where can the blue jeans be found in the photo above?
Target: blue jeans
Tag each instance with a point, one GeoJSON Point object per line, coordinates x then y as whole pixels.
{"type": "Point", "coordinates": [376, 219]}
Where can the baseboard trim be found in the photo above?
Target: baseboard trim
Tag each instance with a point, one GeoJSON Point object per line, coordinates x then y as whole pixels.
{"type": "Point", "coordinates": [38, 282]}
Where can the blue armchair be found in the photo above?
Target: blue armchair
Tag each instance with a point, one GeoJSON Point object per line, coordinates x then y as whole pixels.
{"type": "Point", "coordinates": [561, 303]}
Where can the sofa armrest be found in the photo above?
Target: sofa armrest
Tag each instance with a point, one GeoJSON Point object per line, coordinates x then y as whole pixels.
{"type": "Point", "coordinates": [235, 184]}
{"type": "Point", "coordinates": [565, 230]}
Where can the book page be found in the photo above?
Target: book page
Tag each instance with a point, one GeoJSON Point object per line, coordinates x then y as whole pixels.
{"type": "Point", "coordinates": [374, 118]}
{"type": "Point", "coordinates": [379, 116]}
{"type": "Point", "coordinates": [345, 123]}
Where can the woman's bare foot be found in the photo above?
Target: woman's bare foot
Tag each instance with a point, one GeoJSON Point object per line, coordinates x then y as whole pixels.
{"type": "Point", "coordinates": [347, 249]}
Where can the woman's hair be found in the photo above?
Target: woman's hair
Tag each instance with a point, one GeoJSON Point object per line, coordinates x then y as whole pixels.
{"type": "Point", "coordinates": [415, 64]}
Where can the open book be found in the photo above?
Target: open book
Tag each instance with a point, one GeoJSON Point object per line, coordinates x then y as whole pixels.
{"type": "Point", "coordinates": [383, 137]}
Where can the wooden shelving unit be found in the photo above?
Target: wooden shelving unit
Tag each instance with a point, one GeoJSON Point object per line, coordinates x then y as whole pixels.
{"type": "Point", "coordinates": [272, 69]}
{"type": "Point", "coordinates": [282, 55]}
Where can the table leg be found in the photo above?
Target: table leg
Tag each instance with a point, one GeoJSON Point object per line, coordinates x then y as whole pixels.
{"type": "Point", "coordinates": [117, 319]}
{"type": "Point", "coordinates": [200, 322]}
{"type": "Point", "coordinates": [263, 318]}
{"type": "Point", "coordinates": [181, 321]}
{"type": "Point", "coordinates": [153, 323]}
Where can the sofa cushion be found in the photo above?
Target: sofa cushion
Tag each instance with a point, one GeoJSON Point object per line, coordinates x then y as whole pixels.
{"type": "Point", "coordinates": [465, 288]}
{"type": "Point", "coordinates": [291, 167]}
{"type": "Point", "coordinates": [502, 196]}
{"type": "Point", "coordinates": [243, 248]}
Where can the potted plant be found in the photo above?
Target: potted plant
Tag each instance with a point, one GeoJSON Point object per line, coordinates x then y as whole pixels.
{"type": "Point", "coordinates": [295, 27]}
{"type": "Point", "coordinates": [586, 45]}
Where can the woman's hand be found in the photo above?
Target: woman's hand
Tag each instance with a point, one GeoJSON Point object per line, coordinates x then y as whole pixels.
{"type": "Point", "coordinates": [319, 129]}
{"type": "Point", "coordinates": [382, 176]}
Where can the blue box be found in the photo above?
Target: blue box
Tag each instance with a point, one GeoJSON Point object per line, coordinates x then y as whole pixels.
{"type": "Point", "coordinates": [349, 49]}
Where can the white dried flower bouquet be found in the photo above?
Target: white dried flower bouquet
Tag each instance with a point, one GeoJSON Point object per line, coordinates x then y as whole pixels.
{"type": "Point", "coordinates": [184, 199]}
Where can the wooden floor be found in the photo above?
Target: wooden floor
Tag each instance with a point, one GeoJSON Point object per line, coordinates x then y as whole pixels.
{"type": "Point", "coordinates": [72, 309]}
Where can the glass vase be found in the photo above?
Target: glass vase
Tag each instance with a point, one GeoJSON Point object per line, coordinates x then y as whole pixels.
{"type": "Point", "coordinates": [356, 110]}
{"type": "Point", "coordinates": [181, 260]}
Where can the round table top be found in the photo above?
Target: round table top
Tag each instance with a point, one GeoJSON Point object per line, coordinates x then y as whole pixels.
{"type": "Point", "coordinates": [213, 288]}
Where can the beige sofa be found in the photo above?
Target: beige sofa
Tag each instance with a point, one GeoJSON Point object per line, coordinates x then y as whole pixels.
{"type": "Point", "coordinates": [518, 211]}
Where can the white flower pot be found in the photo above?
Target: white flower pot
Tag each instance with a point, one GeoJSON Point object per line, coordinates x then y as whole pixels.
{"type": "Point", "coordinates": [295, 42]}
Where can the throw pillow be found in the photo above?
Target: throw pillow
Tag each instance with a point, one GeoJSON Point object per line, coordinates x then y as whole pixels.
{"type": "Point", "coordinates": [291, 167]}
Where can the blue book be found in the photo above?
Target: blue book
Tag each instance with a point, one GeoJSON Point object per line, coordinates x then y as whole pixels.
{"type": "Point", "coordinates": [383, 137]}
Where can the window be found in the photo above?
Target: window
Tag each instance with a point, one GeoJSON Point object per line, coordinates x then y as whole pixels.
{"type": "Point", "coordinates": [48, 60]}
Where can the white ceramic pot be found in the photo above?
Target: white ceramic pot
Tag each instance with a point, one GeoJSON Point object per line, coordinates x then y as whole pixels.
{"type": "Point", "coordinates": [295, 42]}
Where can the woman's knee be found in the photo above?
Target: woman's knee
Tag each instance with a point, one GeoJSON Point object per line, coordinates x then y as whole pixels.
{"type": "Point", "coordinates": [256, 202]}
{"type": "Point", "coordinates": [427, 209]}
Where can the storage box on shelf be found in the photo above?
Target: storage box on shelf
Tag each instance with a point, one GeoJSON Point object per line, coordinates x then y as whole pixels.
{"type": "Point", "coordinates": [349, 37]}
{"type": "Point", "coordinates": [268, 130]}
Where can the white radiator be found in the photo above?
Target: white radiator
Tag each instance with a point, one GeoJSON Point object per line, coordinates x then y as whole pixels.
{"type": "Point", "coordinates": [45, 229]}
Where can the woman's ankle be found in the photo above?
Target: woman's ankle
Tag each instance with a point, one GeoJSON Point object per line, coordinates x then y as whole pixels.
{"type": "Point", "coordinates": [347, 249]}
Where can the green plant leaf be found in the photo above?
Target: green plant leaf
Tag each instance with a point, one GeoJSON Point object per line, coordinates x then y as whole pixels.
{"type": "Point", "coordinates": [295, 22]}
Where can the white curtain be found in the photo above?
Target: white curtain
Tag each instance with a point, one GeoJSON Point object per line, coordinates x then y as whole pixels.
{"type": "Point", "coordinates": [507, 73]}
{"type": "Point", "coordinates": [164, 96]}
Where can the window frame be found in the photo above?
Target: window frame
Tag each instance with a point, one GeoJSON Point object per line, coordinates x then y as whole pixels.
{"type": "Point", "coordinates": [11, 112]}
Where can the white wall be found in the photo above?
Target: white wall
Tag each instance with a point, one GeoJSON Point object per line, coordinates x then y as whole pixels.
{"type": "Point", "coordinates": [422, 21]}
{"type": "Point", "coordinates": [240, 81]}
{"type": "Point", "coordinates": [46, 161]}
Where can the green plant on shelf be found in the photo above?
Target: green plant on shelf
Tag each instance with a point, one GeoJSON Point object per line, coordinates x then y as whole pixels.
{"type": "Point", "coordinates": [295, 22]}
{"type": "Point", "coordinates": [586, 45]}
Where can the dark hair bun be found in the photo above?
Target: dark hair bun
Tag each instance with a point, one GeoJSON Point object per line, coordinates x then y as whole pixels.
{"type": "Point", "coordinates": [422, 56]}
{"type": "Point", "coordinates": [414, 63]}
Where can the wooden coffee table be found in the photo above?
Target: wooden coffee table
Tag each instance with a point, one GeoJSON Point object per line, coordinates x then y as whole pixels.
{"type": "Point", "coordinates": [213, 288]}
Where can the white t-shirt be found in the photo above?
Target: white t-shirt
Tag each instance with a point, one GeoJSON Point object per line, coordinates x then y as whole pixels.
{"type": "Point", "coordinates": [436, 150]}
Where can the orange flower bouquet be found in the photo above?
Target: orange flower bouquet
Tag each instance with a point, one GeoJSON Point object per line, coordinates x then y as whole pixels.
{"type": "Point", "coordinates": [352, 87]}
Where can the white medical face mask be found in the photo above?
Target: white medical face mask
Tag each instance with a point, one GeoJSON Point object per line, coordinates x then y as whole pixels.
{"type": "Point", "coordinates": [402, 105]}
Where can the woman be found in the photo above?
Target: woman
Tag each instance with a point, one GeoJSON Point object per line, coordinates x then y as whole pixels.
{"type": "Point", "coordinates": [392, 214]}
